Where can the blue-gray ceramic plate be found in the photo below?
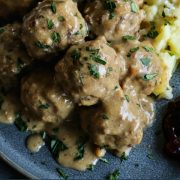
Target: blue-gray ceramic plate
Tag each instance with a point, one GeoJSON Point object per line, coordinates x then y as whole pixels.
{"type": "Point", "coordinates": [146, 161]}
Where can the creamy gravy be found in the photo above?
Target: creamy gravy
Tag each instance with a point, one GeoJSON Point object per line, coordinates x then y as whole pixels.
{"type": "Point", "coordinates": [35, 142]}
{"type": "Point", "coordinates": [112, 81]}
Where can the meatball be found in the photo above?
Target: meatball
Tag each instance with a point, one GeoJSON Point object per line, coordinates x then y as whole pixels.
{"type": "Point", "coordinates": [42, 97]}
{"type": "Point", "coordinates": [141, 64]}
{"type": "Point", "coordinates": [113, 19]}
{"type": "Point", "coordinates": [13, 55]}
{"type": "Point", "coordinates": [89, 72]}
{"type": "Point", "coordinates": [118, 122]}
{"type": "Point", "coordinates": [9, 8]}
{"type": "Point", "coordinates": [53, 26]}
{"type": "Point", "coordinates": [9, 106]}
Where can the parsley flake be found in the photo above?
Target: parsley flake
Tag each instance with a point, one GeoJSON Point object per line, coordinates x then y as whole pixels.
{"type": "Point", "coordinates": [91, 167]}
{"type": "Point", "coordinates": [80, 148]}
{"type": "Point", "coordinates": [53, 8]}
{"type": "Point", "coordinates": [20, 123]}
{"type": "Point", "coordinates": [93, 70]}
{"type": "Point", "coordinates": [43, 106]}
{"type": "Point", "coordinates": [104, 160]}
{"type": "Point", "coordinates": [57, 146]}
{"type": "Point", "coordinates": [61, 18]}
{"type": "Point", "coordinates": [148, 77]}
{"type": "Point", "coordinates": [113, 175]}
{"type": "Point", "coordinates": [110, 6]}
{"type": "Point", "coordinates": [134, 7]}
{"type": "Point", "coordinates": [128, 37]}
{"type": "Point", "coordinates": [127, 98]}
{"type": "Point", "coordinates": [41, 45]}
{"type": "Point", "coordinates": [50, 24]}
{"type": "Point", "coordinates": [145, 61]}
{"type": "Point", "coordinates": [75, 55]}
{"type": "Point", "coordinates": [62, 173]}
{"type": "Point", "coordinates": [55, 36]}
{"type": "Point", "coordinates": [148, 49]}
{"type": "Point", "coordinates": [123, 157]}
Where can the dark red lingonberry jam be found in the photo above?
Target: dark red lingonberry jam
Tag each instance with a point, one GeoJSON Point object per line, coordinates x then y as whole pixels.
{"type": "Point", "coordinates": [171, 126]}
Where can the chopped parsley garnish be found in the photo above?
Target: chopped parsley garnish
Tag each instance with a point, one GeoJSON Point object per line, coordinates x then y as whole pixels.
{"type": "Point", "coordinates": [55, 36]}
{"type": "Point", "coordinates": [80, 147]}
{"type": "Point", "coordinates": [104, 160]}
{"type": "Point", "coordinates": [153, 32]}
{"type": "Point", "coordinates": [50, 24]}
{"type": "Point", "coordinates": [98, 60]}
{"type": "Point", "coordinates": [127, 98]}
{"type": "Point", "coordinates": [145, 61]}
{"type": "Point", "coordinates": [110, 6]}
{"type": "Point", "coordinates": [91, 167]}
{"type": "Point", "coordinates": [148, 49]}
{"type": "Point", "coordinates": [62, 173]}
{"type": "Point", "coordinates": [77, 33]}
{"type": "Point", "coordinates": [1, 30]}
{"type": "Point", "coordinates": [128, 37]}
{"type": "Point", "coordinates": [150, 156]}
{"type": "Point", "coordinates": [75, 55]}
{"type": "Point", "coordinates": [134, 7]}
{"type": "Point", "coordinates": [94, 55]}
{"type": "Point", "coordinates": [113, 175]}
{"type": "Point", "coordinates": [132, 50]}
{"type": "Point", "coordinates": [93, 70]}
{"type": "Point", "coordinates": [123, 157]}
{"type": "Point", "coordinates": [53, 8]}
{"type": "Point", "coordinates": [148, 77]}
{"type": "Point", "coordinates": [41, 45]}
{"type": "Point", "coordinates": [61, 18]}
{"type": "Point", "coordinates": [57, 146]}
{"type": "Point", "coordinates": [43, 106]}
{"type": "Point", "coordinates": [105, 117]}
{"type": "Point", "coordinates": [20, 123]}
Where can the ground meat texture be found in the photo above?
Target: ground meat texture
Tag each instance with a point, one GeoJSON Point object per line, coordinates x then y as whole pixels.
{"type": "Point", "coordinates": [89, 71]}
{"type": "Point", "coordinates": [53, 26]}
{"type": "Point", "coordinates": [9, 106]}
{"type": "Point", "coordinates": [11, 8]}
{"type": "Point", "coordinates": [116, 124]}
{"type": "Point", "coordinates": [141, 64]}
{"type": "Point", "coordinates": [42, 98]}
{"type": "Point", "coordinates": [13, 55]}
{"type": "Point", "coordinates": [113, 19]}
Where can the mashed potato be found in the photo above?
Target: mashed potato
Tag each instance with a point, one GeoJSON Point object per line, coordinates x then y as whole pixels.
{"type": "Point", "coordinates": [165, 17]}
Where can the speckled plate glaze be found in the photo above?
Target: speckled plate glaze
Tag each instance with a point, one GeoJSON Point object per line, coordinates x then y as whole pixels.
{"type": "Point", "coordinates": [138, 165]}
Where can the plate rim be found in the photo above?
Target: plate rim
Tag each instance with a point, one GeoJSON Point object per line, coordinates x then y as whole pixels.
{"type": "Point", "coordinates": [17, 167]}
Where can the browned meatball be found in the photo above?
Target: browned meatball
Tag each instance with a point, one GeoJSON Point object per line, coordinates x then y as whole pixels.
{"type": "Point", "coordinates": [13, 55]}
{"type": "Point", "coordinates": [89, 71]}
{"type": "Point", "coordinates": [118, 122]}
{"type": "Point", "coordinates": [53, 26]}
{"type": "Point", "coordinates": [43, 98]}
{"type": "Point", "coordinates": [113, 19]}
{"type": "Point", "coordinates": [9, 106]}
{"type": "Point", "coordinates": [11, 8]}
{"type": "Point", "coordinates": [139, 61]}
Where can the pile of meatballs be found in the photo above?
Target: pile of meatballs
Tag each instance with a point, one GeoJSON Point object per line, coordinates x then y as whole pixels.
{"type": "Point", "coordinates": [62, 56]}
